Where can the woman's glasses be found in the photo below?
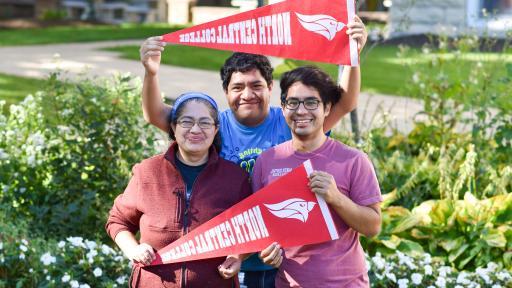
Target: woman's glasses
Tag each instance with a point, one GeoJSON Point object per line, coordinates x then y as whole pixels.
{"type": "Point", "coordinates": [189, 123]}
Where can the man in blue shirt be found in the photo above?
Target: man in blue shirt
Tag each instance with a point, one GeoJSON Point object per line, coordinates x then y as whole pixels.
{"type": "Point", "coordinates": [251, 125]}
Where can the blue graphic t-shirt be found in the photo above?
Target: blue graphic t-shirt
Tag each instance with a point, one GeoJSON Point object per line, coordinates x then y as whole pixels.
{"type": "Point", "coordinates": [242, 145]}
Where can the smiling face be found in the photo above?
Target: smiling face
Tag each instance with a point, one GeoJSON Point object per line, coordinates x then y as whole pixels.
{"type": "Point", "coordinates": [248, 96]}
{"type": "Point", "coordinates": [304, 123]}
{"type": "Point", "coordinates": [195, 140]}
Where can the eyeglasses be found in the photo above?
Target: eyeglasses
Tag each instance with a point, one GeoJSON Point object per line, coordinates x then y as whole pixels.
{"type": "Point", "coordinates": [189, 123]}
{"type": "Point", "coordinates": [309, 103]}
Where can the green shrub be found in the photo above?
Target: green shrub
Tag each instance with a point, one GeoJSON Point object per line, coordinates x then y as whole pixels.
{"type": "Point", "coordinates": [27, 261]}
{"type": "Point", "coordinates": [67, 151]}
{"type": "Point", "coordinates": [54, 15]}
{"type": "Point", "coordinates": [466, 233]}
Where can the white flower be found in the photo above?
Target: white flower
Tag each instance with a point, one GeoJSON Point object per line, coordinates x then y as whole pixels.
{"type": "Point", "coordinates": [503, 275]}
{"type": "Point", "coordinates": [491, 266]}
{"type": "Point", "coordinates": [483, 274]}
{"type": "Point", "coordinates": [461, 278]}
{"type": "Point", "coordinates": [48, 259]}
{"type": "Point", "coordinates": [23, 248]}
{"type": "Point", "coordinates": [90, 255]}
{"type": "Point", "coordinates": [1, 245]}
{"type": "Point", "coordinates": [105, 249]}
{"type": "Point", "coordinates": [22, 256]}
{"type": "Point", "coordinates": [24, 241]}
{"type": "Point", "coordinates": [416, 278]}
{"type": "Point", "coordinates": [428, 270]}
{"type": "Point", "coordinates": [61, 244]}
{"type": "Point", "coordinates": [378, 261]}
{"type": "Point", "coordinates": [121, 280]}
{"type": "Point", "coordinates": [391, 277]}
{"type": "Point", "coordinates": [31, 160]}
{"type": "Point", "coordinates": [76, 241]}
{"type": "Point", "coordinates": [30, 270]}
{"type": "Point", "coordinates": [90, 244]}
{"type": "Point", "coordinates": [84, 286]}
{"type": "Point", "coordinates": [458, 286]}
{"type": "Point", "coordinates": [441, 282]}
{"type": "Point", "coordinates": [496, 286]}
{"type": "Point", "coordinates": [74, 284]}
{"type": "Point", "coordinates": [3, 155]}
{"type": "Point", "coordinates": [444, 270]}
{"type": "Point", "coordinates": [48, 277]}
{"type": "Point", "coordinates": [402, 283]}
{"type": "Point", "coordinates": [65, 278]}
{"type": "Point", "coordinates": [97, 272]}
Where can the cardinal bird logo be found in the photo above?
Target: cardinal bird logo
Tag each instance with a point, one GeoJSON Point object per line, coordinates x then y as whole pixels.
{"type": "Point", "coordinates": [292, 208]}
{"type": "Point", "coordinates": [324, 25]}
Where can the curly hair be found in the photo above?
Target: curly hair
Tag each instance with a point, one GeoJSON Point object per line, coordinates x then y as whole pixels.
{"type": "Point", "coordinates": [243, 62]}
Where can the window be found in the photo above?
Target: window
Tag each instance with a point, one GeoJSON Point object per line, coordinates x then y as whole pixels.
{"type": "Point", "coordinates": [490, 15]}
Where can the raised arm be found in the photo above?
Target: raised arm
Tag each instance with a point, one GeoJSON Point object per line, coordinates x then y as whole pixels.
{"type": "Point", "coordinates": [350, 79]}
{"type": "Point", "coordinates": [155, 110]}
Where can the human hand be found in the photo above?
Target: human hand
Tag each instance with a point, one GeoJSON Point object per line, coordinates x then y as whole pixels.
{"type": "Point", "coordinates": [142, 253]}
{"type": "Point", "coordinates": [230, 267]}
{"type": "Point", "coordinates": [272, 255]}
{"type": "Point", "coordinates": [357, 31]}
{"type": "Point", "coordinates": [151, 53]}
{"type": "Point", "coordinates": [323, 184]}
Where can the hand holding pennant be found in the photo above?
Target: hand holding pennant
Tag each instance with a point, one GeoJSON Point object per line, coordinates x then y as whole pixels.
{"type": "Point", "coordinates": [297, 29]}
{"type": "Point", "coordinates": [286, 212]}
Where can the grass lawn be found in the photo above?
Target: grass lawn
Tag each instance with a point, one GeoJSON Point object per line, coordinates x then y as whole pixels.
{"type": "Point", "coordinates": [13, 89]}
{"type": "Point", "coordinates": [65, 34]}
{"type": "Point", "coordinates": [183, 56]}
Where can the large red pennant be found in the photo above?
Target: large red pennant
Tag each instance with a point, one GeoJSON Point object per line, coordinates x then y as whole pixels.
{"type": "Point", "coordinates": [297, 29]}
{"type": "Point", "coordinates": [286, 212]}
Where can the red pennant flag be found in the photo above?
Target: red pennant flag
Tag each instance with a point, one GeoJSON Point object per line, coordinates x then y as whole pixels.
{"type": "Point", "coordinates": [286, 212]}
{"type": "Point", "coordinates": [297, 29]}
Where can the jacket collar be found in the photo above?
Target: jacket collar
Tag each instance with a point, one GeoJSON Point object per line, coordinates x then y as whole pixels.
{"type": "Point", "coordinates": [170, 155]}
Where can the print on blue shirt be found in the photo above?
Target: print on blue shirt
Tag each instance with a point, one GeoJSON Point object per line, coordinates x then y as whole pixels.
{"type": "Point", "coordinates": [242, 144]}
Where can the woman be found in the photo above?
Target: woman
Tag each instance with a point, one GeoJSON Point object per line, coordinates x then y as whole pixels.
{"type": "Point", "coordinates": [173, 193]}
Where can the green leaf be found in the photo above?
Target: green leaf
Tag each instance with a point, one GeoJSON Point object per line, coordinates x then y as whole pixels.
{"type": "Point", "coordinates": [392, 242]}
{"type": "Point", "coordinates": [452, 244]}
{"type": "Point", "coordinates": [410, 247]}
{"type": "Point", "coordinates": [441, 212]}
{"type": "Point", "coordinates": [495, 238]}
{"type": "Point", "coordinates": [406, 223]}
{"type": "Point", "coordinates": [455, 254]}
{"type": "Point", "coordinates": [472, 253]}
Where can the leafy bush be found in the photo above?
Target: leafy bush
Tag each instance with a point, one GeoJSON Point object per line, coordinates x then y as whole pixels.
{"type": "Point", "coordinates": [77, 262]}
{"type": "Point", "coordinates": [466, 233]}
{"type": "Point", "coordinates": [54, 15]}
{"type": "Point", "coordinates": [67, 151]}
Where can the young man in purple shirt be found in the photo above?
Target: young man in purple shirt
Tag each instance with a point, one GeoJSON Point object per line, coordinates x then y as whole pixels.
{"type": "Point", "coordinates": [343, 176]}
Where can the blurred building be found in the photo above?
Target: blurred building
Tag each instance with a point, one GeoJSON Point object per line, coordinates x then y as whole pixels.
{"type": "Point", "coordinates": [453, 17]}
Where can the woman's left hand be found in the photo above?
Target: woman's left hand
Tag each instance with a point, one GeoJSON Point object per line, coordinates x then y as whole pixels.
{"type": "Point", "coordinates": [231, 266]}
{"type": "Point", "coordinates": [357, 31]}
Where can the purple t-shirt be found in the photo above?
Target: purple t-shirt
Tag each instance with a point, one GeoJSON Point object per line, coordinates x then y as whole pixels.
{"type": "Point", "coordinates": [338, 263]}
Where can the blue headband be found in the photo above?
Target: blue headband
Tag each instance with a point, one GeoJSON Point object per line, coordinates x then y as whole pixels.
{"type": "Point", "coordinates": [191, 95]}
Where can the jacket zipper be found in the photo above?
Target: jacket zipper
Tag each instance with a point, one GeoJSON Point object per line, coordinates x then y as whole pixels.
{"type": "Point", "coordinates": [185, 231]}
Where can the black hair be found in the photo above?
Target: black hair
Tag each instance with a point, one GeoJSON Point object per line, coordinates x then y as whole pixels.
{"type": "Point", "coordinates": [244, 62]}
{"type": "Point", "coordinates": [313, 77]}
{"type": "Point", "coordinates": [214, 113]}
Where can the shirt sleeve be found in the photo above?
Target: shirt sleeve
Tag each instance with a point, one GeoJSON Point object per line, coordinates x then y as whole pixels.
{"type": "Point", "coordinates": [364, 186]}
{"type": "Point", "coordinates": [124, 215]}
{"type": "Point", "coordinates": [256, 180]}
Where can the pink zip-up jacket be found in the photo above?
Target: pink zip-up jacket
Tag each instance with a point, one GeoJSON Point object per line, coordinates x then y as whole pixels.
{"type": "Point", "coordinates": [154, 204]}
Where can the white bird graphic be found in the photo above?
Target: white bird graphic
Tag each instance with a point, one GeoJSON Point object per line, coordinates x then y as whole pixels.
{"type": "Point", "coordinates": [292, 208]}
{"type": "Point", "coordinates": [324, 25]}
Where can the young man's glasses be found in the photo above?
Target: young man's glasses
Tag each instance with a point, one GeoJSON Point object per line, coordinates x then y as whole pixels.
{"type": "Point", "coordinates": [189, 123]}
{"type": "Point", "coordinates": [309, 103]}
